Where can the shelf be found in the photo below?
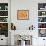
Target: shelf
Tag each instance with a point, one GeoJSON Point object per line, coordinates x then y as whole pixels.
{"type": "Point", "coordinates": [41, 22]}
{"type": "Point", "coordinates": [42, 16]}
{"type": "Point", "coordinates": [3, 22]}
{"type": "Point", "coordinates": [4, 19]}
{"type": "Point", "coordinates": [42, 19]}
{"type": "Point", "coordinates": [41, 10]}
{"type": "Point", "coordinates": [3, 16]}
{"type": "Point", "coordinates": [42, 37]}
{"type": "Point", "coordinates": [3, 10]}
{"type": "Point", "coordinates": [41, 28]}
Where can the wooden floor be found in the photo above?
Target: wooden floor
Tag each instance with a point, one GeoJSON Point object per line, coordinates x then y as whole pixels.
{"type": "Point", "coordinates": [3, 45]}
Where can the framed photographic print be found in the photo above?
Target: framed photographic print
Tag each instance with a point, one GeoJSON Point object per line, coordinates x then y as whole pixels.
{"type": "Point", "coordinates": [22, 14]}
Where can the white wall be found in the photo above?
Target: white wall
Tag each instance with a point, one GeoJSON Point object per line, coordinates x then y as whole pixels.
{"type": "Point", "coordinates": [27, 5]}
{"type": "Point", "coordinates": [32, 6]}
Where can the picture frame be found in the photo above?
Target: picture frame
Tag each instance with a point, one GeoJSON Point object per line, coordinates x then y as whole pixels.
{"type": "Point", "coordinates": [22, 14]}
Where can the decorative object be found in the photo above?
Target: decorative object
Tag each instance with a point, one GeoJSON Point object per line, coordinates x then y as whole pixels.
{"type": "Point", "coordinates": [23, 40]}
{"type": "Point", "coordinates": [41, 19]}
{"type": "Point", "coordinates": [31, 27]}
{"type": "Point", "coordinates": [6, 7]}
{"type": "Point", "coordinates": [41, 6]}
{"type": "Point", "coordinates": [43, 13]}
{"type": "Point", "coordinates": [3, 13]}
{"type": "Point", "coordinates": [4, 29]}
{"type": "Point", "coordinates": [13, 27]}
{"type": "Point", "coordinates": [0, 7]}
{"type": "Point", "coordinates": [42, 32]}
{"type": "Point", "coordinates": [3, 19]}
{"type": "Point", "coordinates": [42, 25]}
{"type": "Point", "coordinates": [18, 42]}
{"type": "Point", "coordinates": [22, 14]}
